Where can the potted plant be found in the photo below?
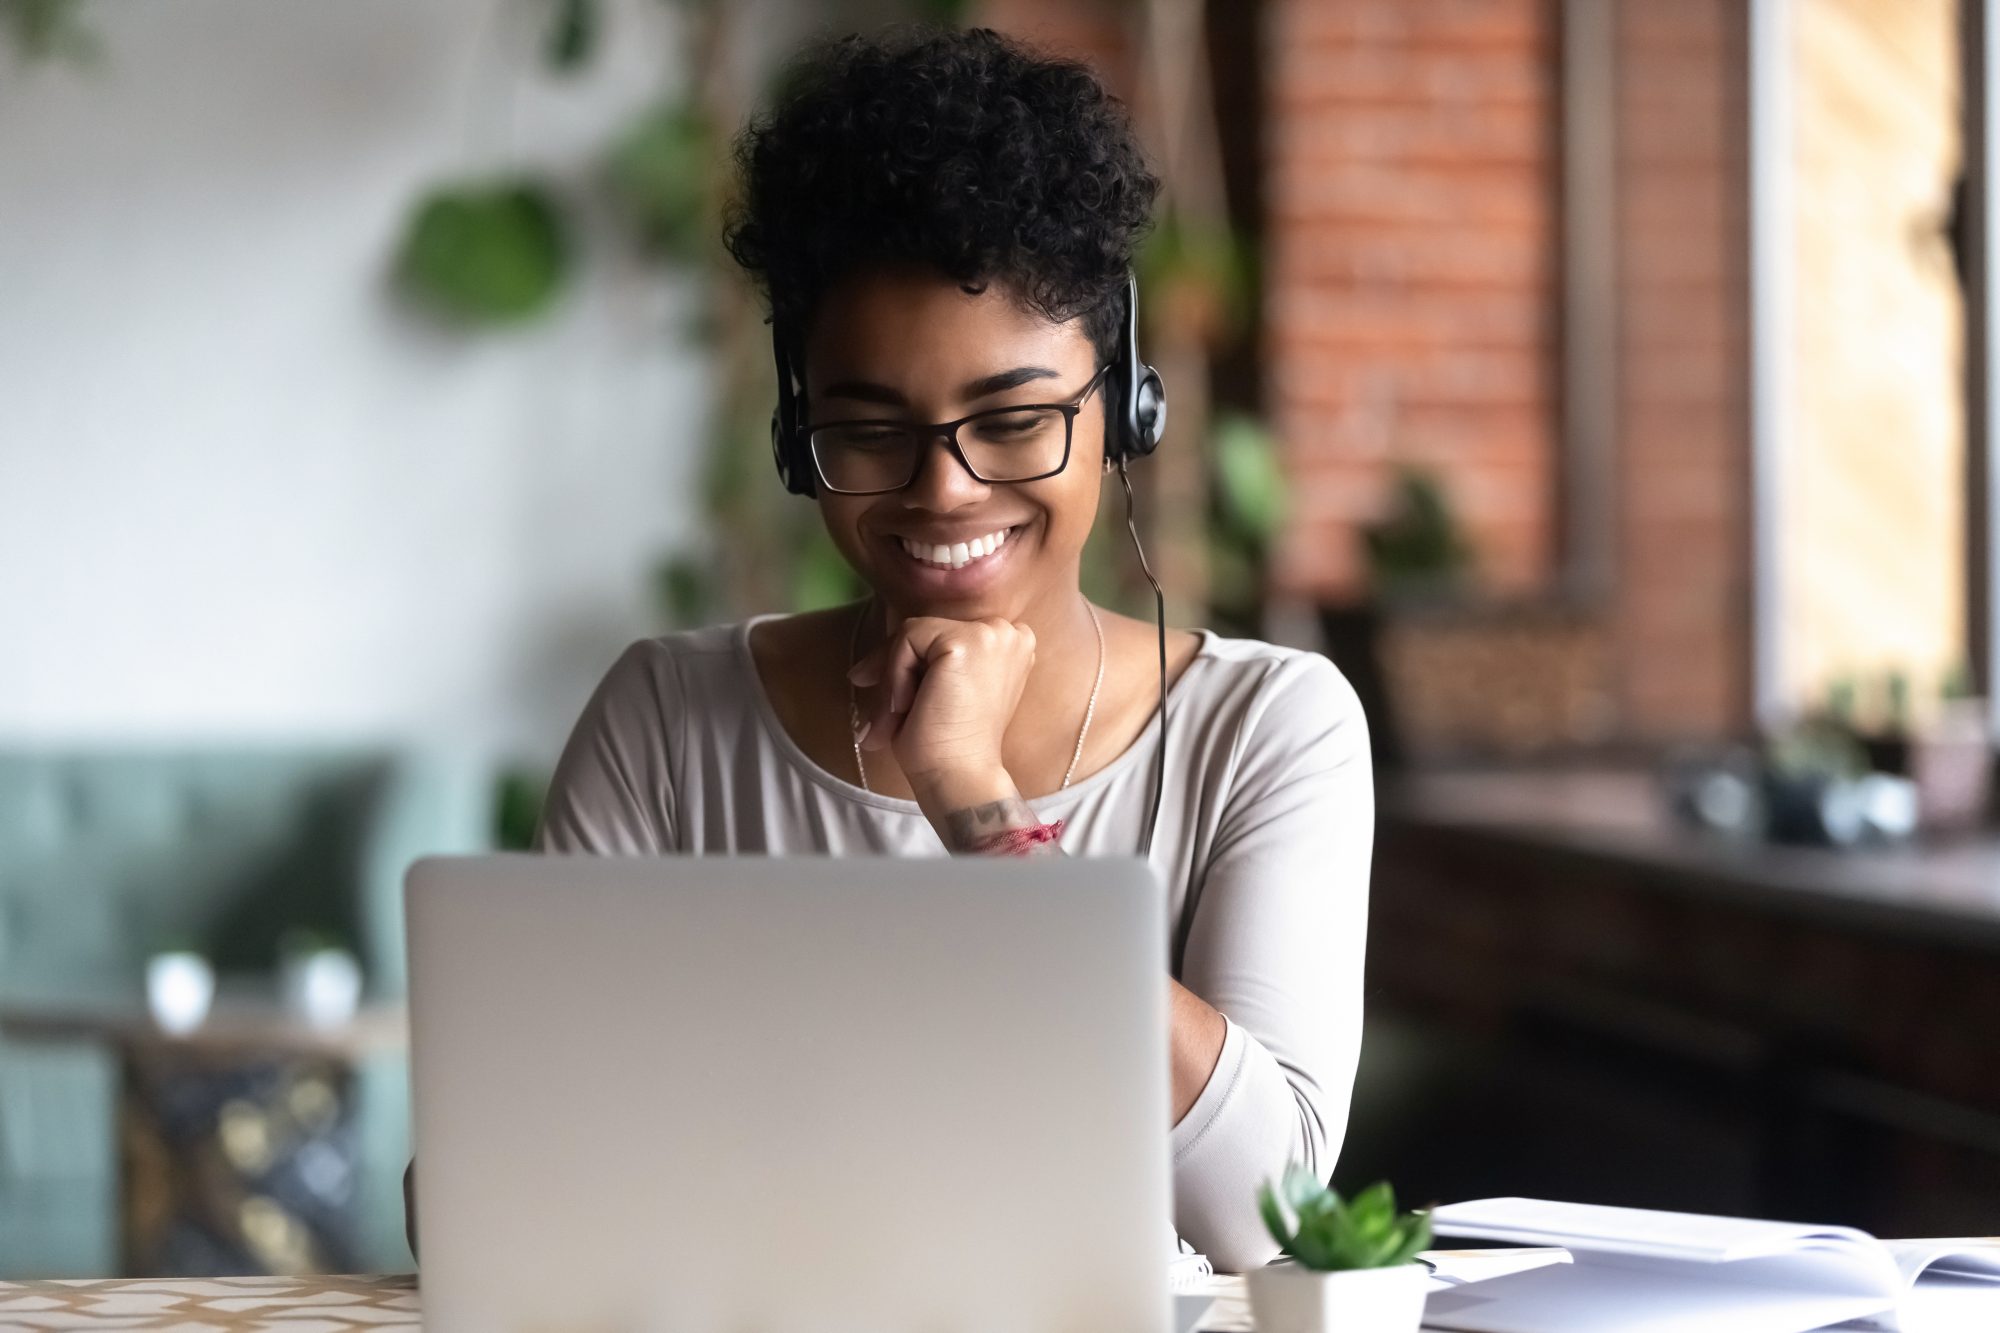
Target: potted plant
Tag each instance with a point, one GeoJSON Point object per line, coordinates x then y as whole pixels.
{"type": "Point", "coordinates": [1352, 1264]}
{"type": "Point", "coordinates": [1939, 741]}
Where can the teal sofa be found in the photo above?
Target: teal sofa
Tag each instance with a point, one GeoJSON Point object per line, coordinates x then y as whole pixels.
{"type": "Point", "coordinates": [105, 856]}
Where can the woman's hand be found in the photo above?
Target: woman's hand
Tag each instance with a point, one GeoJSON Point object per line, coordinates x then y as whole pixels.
{"type": "Point", "coordinates": [939, 694]}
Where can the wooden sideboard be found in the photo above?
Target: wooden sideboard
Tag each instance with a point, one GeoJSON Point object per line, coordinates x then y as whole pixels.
{"type": "Point", "coordinates": [1629, 1010]}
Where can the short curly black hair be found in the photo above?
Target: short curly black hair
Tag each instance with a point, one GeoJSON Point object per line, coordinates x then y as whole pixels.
{"type": "Point", "coordinates": [964, 150]}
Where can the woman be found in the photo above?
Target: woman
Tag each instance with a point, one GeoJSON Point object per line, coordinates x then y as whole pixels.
{"type": "Point", "coordinates": [944, 226]}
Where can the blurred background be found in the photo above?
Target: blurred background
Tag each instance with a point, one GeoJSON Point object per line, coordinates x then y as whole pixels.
{"type": "Point", "coordinates": [1603, 384]}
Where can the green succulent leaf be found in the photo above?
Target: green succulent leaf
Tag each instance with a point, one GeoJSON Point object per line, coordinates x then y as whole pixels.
{"type": "Point", "coordinates": [1332, 1234]}
{"type": "Point", "coordinates": [1316, 1251]}
{"type": "Point", "coordinates": [1416, 1238]}
{"type": "Point", "coordinates": [1306, 1194]}
{"type": "Point", "coordinates": [1274, 1217]}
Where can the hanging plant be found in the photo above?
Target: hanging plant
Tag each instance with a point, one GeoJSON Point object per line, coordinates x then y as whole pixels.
{"type": "Point", "coordinates": [659, 170]}
{"type": "Point", "coordinates": [487, 254]}
{"type": "Point", "coordinates": [49, 30]}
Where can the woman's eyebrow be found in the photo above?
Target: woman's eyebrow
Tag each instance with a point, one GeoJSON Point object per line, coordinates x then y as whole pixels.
{"type": "Point", "coordinates": [867, 391]}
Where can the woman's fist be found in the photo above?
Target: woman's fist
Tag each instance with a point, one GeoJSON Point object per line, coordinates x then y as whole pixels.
{"type": "Point", "coordinates": [939, 694]}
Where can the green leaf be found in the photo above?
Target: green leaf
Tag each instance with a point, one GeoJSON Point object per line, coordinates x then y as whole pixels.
{"type": "Point", "coordinates": [1316, 1252]}
{"type": "Point", "coordinates": [1375, 1209]}
{"type": "Point", "coordinates": [517, 808]}
{"type": "Point", "coordinates": [485, 254]}
{"type": "Point", "coordinates": [1365, 1232]}
{"type": "Point", "coordinates": [572, 35]}
{"type": "Point", "coordinates": [685, 589]}
{"type": "Point", "coordinates": [1274, 1217]}
{"type": "Point", "coordinates": [660, 170]}
{"type": "Point", "coordinates": [1416, 1237]}
{"type": "Point", "coordinates": [50, 30]}
{"type": "Point", "coordinates": [1420, 547]}
{"type": "Point", "coordinates": [822, 576]}
{"type": "Point", "coordinates": [1305, 1192]}
{"type": "Point", "coordinates": [1212, 264]}
{"type": "Point", "coordinates": [1249, 482]}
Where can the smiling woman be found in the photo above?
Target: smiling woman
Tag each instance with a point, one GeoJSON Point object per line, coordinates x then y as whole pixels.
{"type": "Point", "coordinates": [944, 227]}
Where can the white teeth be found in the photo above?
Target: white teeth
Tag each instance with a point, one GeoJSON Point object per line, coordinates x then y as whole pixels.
{"type": "Point", "coordinates": [958, 555]}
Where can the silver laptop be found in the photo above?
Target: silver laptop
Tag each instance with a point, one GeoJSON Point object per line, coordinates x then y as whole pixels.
{"type": "Point", "coordinates": [764, 1095]}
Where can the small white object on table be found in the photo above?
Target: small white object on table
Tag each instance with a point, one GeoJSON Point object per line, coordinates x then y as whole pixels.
{"type": "Point", "coordinates": [1231, 1311]}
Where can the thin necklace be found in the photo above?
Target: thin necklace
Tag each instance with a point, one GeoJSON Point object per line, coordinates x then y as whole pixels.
{"type": "Point", "coordinates": [854, 706]}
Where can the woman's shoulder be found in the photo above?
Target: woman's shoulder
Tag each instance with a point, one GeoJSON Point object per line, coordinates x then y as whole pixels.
{"type": "Point", "coordinates": [1252, 669]}
{"type": "Point", "coordinates": [1271, 705]}
{"type": "Point", "coordinates": [667, 669]}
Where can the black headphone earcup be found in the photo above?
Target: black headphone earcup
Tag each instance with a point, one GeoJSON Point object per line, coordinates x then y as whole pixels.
{"type": "Point", "coordinates": [794, 467]}
{"type": "Point", "coordinates": [798, 480]}
{"type": "Point", "coordinates": [1148, 412]}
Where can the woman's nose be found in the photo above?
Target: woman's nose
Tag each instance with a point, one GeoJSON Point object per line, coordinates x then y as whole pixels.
{"type": "Point", "coordinates": [942, 482]}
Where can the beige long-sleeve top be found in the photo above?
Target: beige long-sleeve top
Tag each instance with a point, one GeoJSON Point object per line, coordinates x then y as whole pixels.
{"type": "Point", "coordinates": [1265, 831]}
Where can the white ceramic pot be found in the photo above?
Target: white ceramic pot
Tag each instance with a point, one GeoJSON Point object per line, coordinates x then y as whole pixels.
{"type": "Point", "coordinates": [1286, 1298]}
{"type": "Point", "coordinates": [322, 986]}
{"type": "Point", "coordinates": [180, 986]}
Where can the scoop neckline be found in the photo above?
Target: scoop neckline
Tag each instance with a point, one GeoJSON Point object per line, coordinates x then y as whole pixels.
{"type": "Point", "coordinates": [767, 715]}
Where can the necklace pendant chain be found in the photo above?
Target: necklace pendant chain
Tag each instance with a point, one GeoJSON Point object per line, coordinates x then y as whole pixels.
{"type": "Point", "coordinates": [1083, 732]}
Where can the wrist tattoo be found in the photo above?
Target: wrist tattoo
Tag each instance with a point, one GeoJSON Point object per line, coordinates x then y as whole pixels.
{"type": "Point", "coordinates": [971, 827]}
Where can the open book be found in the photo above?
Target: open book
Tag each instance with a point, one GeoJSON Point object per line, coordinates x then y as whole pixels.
{"type": "Point", "coordinates": [1635, 1271]}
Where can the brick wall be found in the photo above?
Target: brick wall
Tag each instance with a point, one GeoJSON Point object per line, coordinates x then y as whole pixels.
{"type": "Point", "coordinates": [1410, 283]}
{"type": "Point", "coordinates": [1411, 245]}
{"type": "Point", "coordinates": [1096, 31]}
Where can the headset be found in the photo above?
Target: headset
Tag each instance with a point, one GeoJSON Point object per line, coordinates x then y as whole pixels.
{"type": "Point", "coordinates": [1135, 417]}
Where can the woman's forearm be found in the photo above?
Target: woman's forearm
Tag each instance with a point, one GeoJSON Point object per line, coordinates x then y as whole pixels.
{"type": "Point", "coordinates": [1194, 1045]}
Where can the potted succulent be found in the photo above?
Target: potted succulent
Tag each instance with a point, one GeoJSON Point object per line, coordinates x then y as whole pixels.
{"type": "Point", "coordinates": [1352, 1264]}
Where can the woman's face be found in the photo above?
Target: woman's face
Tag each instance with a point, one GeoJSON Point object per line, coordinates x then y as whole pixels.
{"type": "Point", "coordinates": [910, 345]}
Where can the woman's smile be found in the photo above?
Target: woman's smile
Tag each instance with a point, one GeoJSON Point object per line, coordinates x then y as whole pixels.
{"type": "Point", "coordinates": [953, 564]}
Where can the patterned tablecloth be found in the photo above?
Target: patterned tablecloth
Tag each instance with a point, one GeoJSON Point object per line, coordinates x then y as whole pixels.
{"type": "Point", "coordinates": [228, 1304]}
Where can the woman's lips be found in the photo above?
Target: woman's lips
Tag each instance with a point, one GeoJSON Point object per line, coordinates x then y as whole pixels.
{"type": "Point", "coordinates": [956, 573]}
{"type": "Point", "coordinates": [955, 555]}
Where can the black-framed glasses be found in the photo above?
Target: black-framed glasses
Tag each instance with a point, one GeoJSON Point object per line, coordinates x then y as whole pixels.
{"type": "Point", "coordinates": [1000, 446]}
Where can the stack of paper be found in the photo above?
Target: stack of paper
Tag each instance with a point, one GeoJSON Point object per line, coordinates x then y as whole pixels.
{"type": "Point", "coordinates": [1638, 1271]}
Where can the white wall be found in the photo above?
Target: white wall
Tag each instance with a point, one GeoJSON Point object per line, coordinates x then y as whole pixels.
{"type": "Point", "coordinates": [242, 492]}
